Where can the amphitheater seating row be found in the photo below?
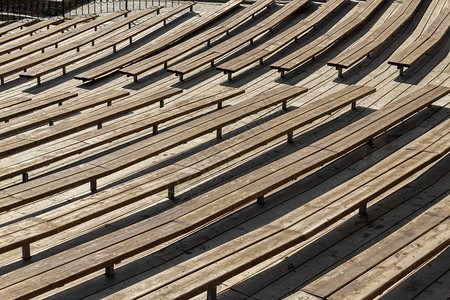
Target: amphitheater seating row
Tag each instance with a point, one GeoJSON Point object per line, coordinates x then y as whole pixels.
{"type": "Point", "coordinates": [354, 19]}
{"type": "Point", "coordinates": [159, 43]}
{"type": "Point", "coordinates": [182, 171]}
{"type": "Point", "coordinates": [46, 33]}
{"type": "Point", "coordinates": [37, 72]}
{"type": "Point", "coordinates": [280, 40]}
{"type": "Point", "coordinates": [30, 29]}
{"type": "Point", "coordinates": [221, 49]}
{"type": "Point", "coordinates": [54, 40]}
{"type": "Point", "coordinates": [365, 46]}
{"type": "Point", "coordinates": [209, 269]}
{"type": "Point", "coordinates": [104, 252]}
{"type": "Point", "coordinates": [25, 64]}
{"type": "Point", "coordinates": [426, 41]}
{"type": "Point", "coordinates": [14, 25]}
{"type": "Point", "coordinates": [118, 160]}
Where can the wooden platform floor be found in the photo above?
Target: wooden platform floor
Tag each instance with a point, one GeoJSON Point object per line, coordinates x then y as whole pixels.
{"type": "Point", "coordinates": [293, 269]}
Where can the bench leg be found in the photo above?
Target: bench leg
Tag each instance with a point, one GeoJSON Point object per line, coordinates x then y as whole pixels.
{"type": "Point", "coordinates": [230, 76]}
{"type": "Point", "coordinates": [38, 80]}
{"type": "Point", "coordinates": [50, 123]}
{"type": "Point", "coordinates": [114, 49]}
{"type": "Point", "coordinates": [64, 70]}
{"type": "Point", "coordinates": [131, 40]}
{"type": "Point", "coordinates": [261, 61]}
{"type": "Point", "coordinates": [109, 103]}
{"type": "Point", "coordinates": [284, 105]}
{"type": "Point", "coordinates": [99, 125]}
{"type": "Point", "coordinates": [165, 65]}
{"type": "Point", "coordinates": [290, 137]}
{"type": "Point", "coordinates": [353, 105]}
{"type": "Point", "coordinates": [181, 77]}
{"type": "Point", "coordinates": [41, 51]}
{"type": "Point", "coordinates": [282, 74]}
{"type": "Point", "coordinates": [212, 64]}
{"type": "Point", "coordinates": [171, 193]}
{"type": "Point", "coordinates": [260, 200]}
{"type": "Point", "coordinates": [370, 142]}
{"type": "Point", "coordinates": [191, 8]}
{"type": "Point", "coordinates": [164, 22]}
{"type": "Point", "coordinates": [251, 42]}
{"type": "Point", "coordinates": [219, 134]}
{"type": "Point", "coordinates": [219, 105]}
{"type": "Point", "coordinates": [93, 43]}
{"type": "Point", "coordinates": [363, 210]}
{"type": "Point", "coordinates": [26, 251]}
{"type": "Point", "coordinates": [211, 294]}
{"type": "Point", "coordinates": [401, 70]}
{"type": "Point", "coordinates": [155, 129]}
{"type": "Point", "coordinates": [109, 271]}
{"type": "Point", "coordinates": [339, 72]}
{"type": "Point", "coordinates": [135, 78]}
{"type": "Point", "coordinates": [94, 186]}
{"type": "Point", "coordinates": [208, 43]}
{"type": "Point", "coordinates": [161, 104]}
{"type": "Point", "coordinates": [2, 80]}
{"type": "Point", "coordinates": [24, 177]}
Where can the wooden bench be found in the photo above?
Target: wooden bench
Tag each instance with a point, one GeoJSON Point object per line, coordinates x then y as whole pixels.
{"type": "Point", "coordinates": [209, 269]}
{"type": "Point", "coordinates": [280, 40]}
{"type": "Point", "coordinates": [109, 43]}
{"type": "Point", "coordinates": [105, 251]}
{"type": "Point", "coordinates": [25, 64]}
{"type": "Point", "coordinates": [44, 34]}
{"type": "Point", "coordinates": [132, 154]}
{"type": "Point", "coordinates": [17, 24]}
{"type": "Point", "coordinates": [426, 41]}
{"type": "Point", "coordinates": [221, 49]}
{"type": "Point", "coordinates": [159, 43]}
{"type": "Point", "coordinates": [8, 102]}
{"type": "Point", "coordinates": [184, 170]}
{"type": "Point", "coordinates": [162, 58]}
{"type": "Point", "coordinates": [36, 103]}
{"type": "Point", "coordinates": [379, 267]}
{"type": "Point", "coordinates": [55, 40]}
{"type": "Point", "coordinates": [30, 29]}
{"type": "Point", "coordinates": [366, 45]}
{"type": "Point", "coordinates": [42, 117]}
{"type": "Point", "coordinates": [49, 153]}
{"type": "Point", "coordinates": [357, 17]}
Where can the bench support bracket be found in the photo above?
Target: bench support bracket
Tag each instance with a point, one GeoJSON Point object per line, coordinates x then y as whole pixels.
{"type": "Point", "coordinates": [230, 76]}
{"type": "Point", "coordinates": [260, 200]}
{"type": "Point", "coordinates": [353, 105]}
{"type": "Point", "coordinates": [284, 105]}
{"type": "Point", "coordinates": [24, 177]}
{"type": "Point", "coordinates": [219, 134]}
{"type": "Point", "coordinates": [26, 251]}
{"type": "Point", "coordinates": [339, 72]}
{"type": "Point", "coordinates": [109, 271]}
{"type": "Point", "coordinates": [290, 137]}
{"type": "Point", "coordinates": [171, 193]}
{"type": "Point", "coordinates": [155, 129]}
{"type": "Point", "coordinates": [211, 294]}
{"type": "Point", "coordinates": [94, 186]}
{"type": "Point", "coordinates": [363, 210]}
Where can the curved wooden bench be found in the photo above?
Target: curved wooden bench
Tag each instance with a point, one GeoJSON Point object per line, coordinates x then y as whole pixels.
{"type": "Point", "coordinates": [159, 43]}
{"type": "Point", "coordinates": [213, 267]}
{"type": "Point", "coordinates": [365, 46]}
{"type": "Point", "coordinates": [219, 50]}
{"type": "Point", "coordinates": [164, 57]}
{"type": "Point", "coordinates": [17, 24]}
{"type": "Point", "coordinates": [426, 41]}
{"type": "Point", "coordinates": [34, 104]}
{"type": "Point", "coordinates": [41, 117]}
{"type": "Point", "coordinates": [109, 43]}
{"type": "Point", "coordinates": [357, 17]}
{"type": "Point", "coordinates": [280, 40]}
{"type": "Point", "coordinates": [50, 153]}
{"type": "Point", "coordinates": [22, 233]}
{"type": "Point", "coordinates": [14, 67]}
{"type": "Point", "coordinates": [379, 267]}
{"type": "Point", "coordinates": [105, 251]}
{"type": "Point", "coordinates": [30, 29]}
{"type": "Point", "coordinates": [55, 40]}
{"type": "Point", "coordinates": [132, 154]}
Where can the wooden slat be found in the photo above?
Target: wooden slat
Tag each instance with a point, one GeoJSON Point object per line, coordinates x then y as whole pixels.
{"type": "Point", "coordinates": [30, 29]}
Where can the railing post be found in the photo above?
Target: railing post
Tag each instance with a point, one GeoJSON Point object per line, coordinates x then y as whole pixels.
{"type": "Point", "coordinates": [64, 8]}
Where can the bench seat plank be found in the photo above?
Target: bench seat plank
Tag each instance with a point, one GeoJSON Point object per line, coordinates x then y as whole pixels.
{"type": "Point", "coordinates": [8, 102]}
{"type": "Point", "coordinates": [41, 117]}
{"type": "Point", "coordinates": [159, 43]}
{"type": "Point", "coordinates": [30, 29]}
{"type": "Point", "coordinates": [35, 104]}
{"type": "Point", "coordinates": [44, 34]}
{"type": "Point", "coordinates": [17, 24]}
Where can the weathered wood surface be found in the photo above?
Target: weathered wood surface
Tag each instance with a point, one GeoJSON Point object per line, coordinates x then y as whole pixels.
{"type": "Point", "coordinates": [30, 29]}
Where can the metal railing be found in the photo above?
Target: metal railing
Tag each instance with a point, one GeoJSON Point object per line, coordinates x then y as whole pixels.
{"type": "Point", "coordinates": [19, 9]}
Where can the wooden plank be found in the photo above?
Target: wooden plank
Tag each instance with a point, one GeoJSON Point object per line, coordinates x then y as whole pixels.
{"type": "Point", "coordinates": [30, 29]}
{"type": "Point", "coordinates": [17, 24]}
